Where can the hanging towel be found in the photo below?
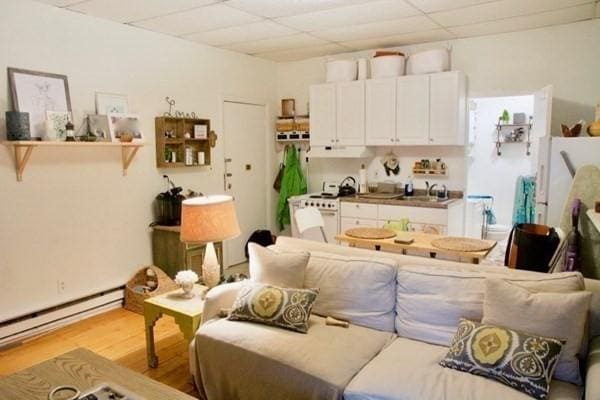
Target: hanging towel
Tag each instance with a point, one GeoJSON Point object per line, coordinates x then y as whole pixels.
{"type": "Point", "coordinates": [524, 207]}
{"type": "Point", "coordinates": [293, 183]}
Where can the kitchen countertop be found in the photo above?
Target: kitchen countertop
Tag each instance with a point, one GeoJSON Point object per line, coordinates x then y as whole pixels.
{"type": "Point", "coordinates": [455, 196]}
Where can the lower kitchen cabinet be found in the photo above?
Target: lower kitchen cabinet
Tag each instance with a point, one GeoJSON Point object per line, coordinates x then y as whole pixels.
{"type": "Point", "coordinates": [172, 256]}
{"type": "Point", "coordinates": [349, 223]}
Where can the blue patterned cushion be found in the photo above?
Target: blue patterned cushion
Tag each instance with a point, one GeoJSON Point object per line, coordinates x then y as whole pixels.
{"type": "Point", "coordinates": [521, 361]}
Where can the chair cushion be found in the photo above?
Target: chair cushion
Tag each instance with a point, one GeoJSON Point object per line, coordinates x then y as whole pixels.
{"type": "Point", "coordinates": [557, 315]}
{"type": "Point", "coordinates": [408, 370]}
{"type": "Point", "coordinates": [275, 268]}
{"type": "Point", "coordinates": [431, 300]}
{"type": "Point", "coordinates": [238, 360]}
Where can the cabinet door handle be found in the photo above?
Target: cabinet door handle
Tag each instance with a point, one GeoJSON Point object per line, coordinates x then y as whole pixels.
{"type": "Point", "coordinates": [392, 139]}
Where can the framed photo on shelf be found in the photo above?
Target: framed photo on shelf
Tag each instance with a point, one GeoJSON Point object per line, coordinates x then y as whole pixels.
{"type": "Point", "coordinates": [124, 123]}
{"type": "Point", "coordinates": [56, 128]}
{"type": "Point", "coordinates": [37, 93]}
{"type": "Point", "coordinates": [98, 126]}
{"type": "Point", "coordinates": [111, 103]}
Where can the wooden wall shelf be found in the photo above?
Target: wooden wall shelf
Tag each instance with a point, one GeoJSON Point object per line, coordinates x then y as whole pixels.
{"type": "Point", "coordinates": [24, 148]}
{"type": "Point", "coordinates": [177, 144]}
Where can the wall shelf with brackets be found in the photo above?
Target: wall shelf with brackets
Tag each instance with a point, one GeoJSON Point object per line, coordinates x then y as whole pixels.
{"type": "Point", "coordinates": [513, 133]}
{"type": "Point", "coordinates": [24, 148]}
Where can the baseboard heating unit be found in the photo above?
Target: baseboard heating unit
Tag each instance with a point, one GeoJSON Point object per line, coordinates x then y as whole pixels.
{"type": "Point", "coordinates": [13, 331]}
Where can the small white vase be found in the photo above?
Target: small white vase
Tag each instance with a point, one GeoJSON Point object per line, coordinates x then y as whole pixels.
{"type": "Point", "coordinates": [188, 289]}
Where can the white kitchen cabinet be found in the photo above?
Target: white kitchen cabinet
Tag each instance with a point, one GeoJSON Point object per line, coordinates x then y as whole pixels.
{"type": "Point", "coordinates": [323, 114]}
{"type": "Point", "coordinates": [350, 116]}
{"type": "Point", "coordinates": [359, 210]}
{"type": "Point", "coordinates": [412, 110]}
{"type": "Point", "coordinates": [447, 109]}
{"type": "Point", "coordinates": [380, 112]}
{"type": "Point", "coordinates": [349, 223]}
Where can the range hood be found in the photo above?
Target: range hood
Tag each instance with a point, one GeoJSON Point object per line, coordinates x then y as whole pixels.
{"type": "Point", "coordinates": [340, 152]}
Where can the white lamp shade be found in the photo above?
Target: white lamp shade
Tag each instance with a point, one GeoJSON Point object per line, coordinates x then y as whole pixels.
{"type": "Point", "coordinates": [307, 218]}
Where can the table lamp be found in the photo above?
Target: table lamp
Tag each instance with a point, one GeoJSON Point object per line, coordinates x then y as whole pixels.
{"type": "Point", "coordinates": [209, 219]}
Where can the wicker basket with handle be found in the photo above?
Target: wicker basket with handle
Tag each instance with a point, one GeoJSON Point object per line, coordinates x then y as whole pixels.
{"type": "Point", "coordinates": [134, 301]}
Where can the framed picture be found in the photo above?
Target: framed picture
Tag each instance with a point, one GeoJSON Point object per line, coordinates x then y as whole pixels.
{"type": "Point", "coordinates": [124, 123]}
{"type": "Point", "coordinates": [37, 93]}
{"type": "Point", "coordinates": [56, 127]}
{"type": "Point", "coordinates": [111, 103]}
{"type": "Point", "coordinates": [98, 126]}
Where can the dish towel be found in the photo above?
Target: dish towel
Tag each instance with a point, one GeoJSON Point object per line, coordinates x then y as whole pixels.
{"type": "Point", "coordinates": [524, 207]}
{"type": "Point", "coordinates": [293, 183]}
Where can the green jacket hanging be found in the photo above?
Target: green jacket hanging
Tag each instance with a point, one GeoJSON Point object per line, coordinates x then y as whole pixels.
{"type": "Point", "coordinates": [292, 184]}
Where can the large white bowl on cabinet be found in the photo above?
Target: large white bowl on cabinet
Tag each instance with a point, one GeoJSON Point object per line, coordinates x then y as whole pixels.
{"type": "Point", "coordinates": [387, 66]}
{"type": "Point", "coordinates": [428, 62]}
{"type": "Point", "coordinates": [341, 70]}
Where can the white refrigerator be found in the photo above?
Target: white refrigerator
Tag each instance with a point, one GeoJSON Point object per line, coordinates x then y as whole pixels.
{"type": "Point", "coordinates": [553, 176]}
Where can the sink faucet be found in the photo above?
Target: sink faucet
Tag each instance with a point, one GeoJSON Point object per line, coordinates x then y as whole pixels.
{"type": "Point", "coordinates": [430, 189]}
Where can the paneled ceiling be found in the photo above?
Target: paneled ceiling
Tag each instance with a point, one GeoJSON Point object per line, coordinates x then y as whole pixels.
{"type": "Point", "coordinates": [287, 30]}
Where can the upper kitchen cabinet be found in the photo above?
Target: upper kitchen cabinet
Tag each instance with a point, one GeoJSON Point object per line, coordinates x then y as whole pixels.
{"type": "Point", "coordinates": [380, 112]}
{"type": "Point", "coordinates": [337, 114]}
{"type": "Point", "coordinates": [323, 114]}
{"type": "Point", "coordinates": [447, 110]}
{"type": "Point", "coordinates": [412, 110]}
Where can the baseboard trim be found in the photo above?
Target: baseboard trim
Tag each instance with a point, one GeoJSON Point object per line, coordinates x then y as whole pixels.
{"type": "Point", "coordinates": [20, 329]}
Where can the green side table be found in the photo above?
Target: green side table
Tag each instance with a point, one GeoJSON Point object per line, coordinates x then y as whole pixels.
{"type": "Point", "coordinates": [186, 312]}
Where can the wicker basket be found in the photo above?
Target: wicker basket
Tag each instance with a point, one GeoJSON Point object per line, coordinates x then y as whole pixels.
{"type": "Point", "coordinates": [134, 301]}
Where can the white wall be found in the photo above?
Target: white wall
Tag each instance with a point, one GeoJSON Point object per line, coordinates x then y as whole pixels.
{"type": "Point", "coordinates": [489, 173]}
{"type": "Point", "coordinates": [565, 56]}
{"type": "Point", "coordinates": [75, 217]}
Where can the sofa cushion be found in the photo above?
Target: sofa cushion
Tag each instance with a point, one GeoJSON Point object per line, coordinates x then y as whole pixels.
{"type": "Point", "coordinates": [287, 308]}
{"type": "Point", "coordinates": [238, 360]}
{"type": "Point", "coordinates": [557, 315]}
{"type": "Point", "coordinates": [276, 268]}
{"type": "Point", "coordinates": [431, 300]}
{"type": "Point", "coordinates": [408, 370]}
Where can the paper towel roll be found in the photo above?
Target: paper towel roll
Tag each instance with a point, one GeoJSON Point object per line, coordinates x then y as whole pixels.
{"type": "Point", "coordinates": [362, 180]}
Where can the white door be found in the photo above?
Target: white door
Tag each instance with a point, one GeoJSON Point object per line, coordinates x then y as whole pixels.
{"type": "Point", "coordinates": [412, 110]}
{"type": "Point", "coordinates": [244, 130]}
{"type": "Point", "coordinates": [380, 112]}
{"type": "Point", "coordinates": [541, 137]}
{"type": "Point", "coordinates": [350, 118]}
{"type": "Point", "coordinates": [447, 108]}
{"type": "Point", "coordinates": [322, 115]}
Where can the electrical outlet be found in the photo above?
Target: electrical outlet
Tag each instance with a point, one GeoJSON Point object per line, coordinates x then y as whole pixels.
{"type": "Point", "coordinates": [60, 286]}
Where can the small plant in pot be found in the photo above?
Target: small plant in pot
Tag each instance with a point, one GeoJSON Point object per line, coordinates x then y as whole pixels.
{"type": "Point", "coordinates": [186, 280]}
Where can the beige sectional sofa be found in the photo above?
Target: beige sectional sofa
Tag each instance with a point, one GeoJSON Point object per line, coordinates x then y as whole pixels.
{"type": "Point", "coordinates": [403, 311]}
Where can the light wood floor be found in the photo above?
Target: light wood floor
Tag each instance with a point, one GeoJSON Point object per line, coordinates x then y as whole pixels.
{"type": "Point", "coordinates": [117, 335]}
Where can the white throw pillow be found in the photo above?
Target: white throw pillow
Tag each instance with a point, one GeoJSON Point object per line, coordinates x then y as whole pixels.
{"type": "Point", "coordinates": [431, 300]}
{"type": "Point", "coordinates": [283, 269]}
{"type": "Point", "coordinates": [551, 314]}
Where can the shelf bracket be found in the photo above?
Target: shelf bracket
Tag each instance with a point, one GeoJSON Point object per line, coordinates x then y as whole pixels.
{"type": "Point", "coordinates": [127, 156]}
{"type": "Point", "coordinates": [21, 160]}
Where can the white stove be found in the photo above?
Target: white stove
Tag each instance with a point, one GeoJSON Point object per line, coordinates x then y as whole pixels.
{"type": "Point", "coordinates": [328, 205]}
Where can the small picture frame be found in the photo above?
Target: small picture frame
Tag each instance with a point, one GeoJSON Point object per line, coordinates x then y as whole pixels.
{"type": "Point", "coordinates": [36, 93]}
{"type": "Point", "coordinates": [111, 103]}
{"type": "Point", "coordinates": [98, 126]}
{"type": "Point", "coordinates": [124, 123]}
{"type": "Point", "coordinates": [56, 122]}
{"type": "Point", "coordinates": [200, 131]}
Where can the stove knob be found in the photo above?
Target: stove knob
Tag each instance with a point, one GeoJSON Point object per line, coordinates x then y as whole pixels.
{"type": "Point", "coordinates": [312, 204]}
{"type": "Point", "coordinates": [329, 205]}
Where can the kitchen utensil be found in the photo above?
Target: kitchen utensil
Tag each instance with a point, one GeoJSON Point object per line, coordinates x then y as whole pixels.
{"type": "Point", "coordinates": [387, 66]}
{"type": "Point", "coordinates": [341, 70]}
{"type": "Point", "coordinates": [428, 61]}
{"type": "Point", "coordinates": [346, 188]}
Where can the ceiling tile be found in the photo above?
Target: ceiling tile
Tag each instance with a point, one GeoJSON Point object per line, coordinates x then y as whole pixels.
{"type": "Point", "coordinates": [399, 40]}
{"type": "Point", "coordinates": [280, 8]}
{"type": "Point", "coordinates": [198, 20]}
{"type": "Point", "coordinates": [135, 10]}
{"type": "Point", "coordinates": [499, 10]}
{"type": "Point", "coordinates": [277, 44]}
{"type": "Point", "coordinates": [377, 29]}
{"type": "Point", "coordinates": [303, 53]}
{"type": "Point", "coordinates": [356, 14]}
{"type": "Point", "coordinates": [555, 17]}
{"type": "Point", "coordinates": [442, 5]}
{"type": "Point", "coordinates": [60, 3]}
{"type": "Point", "coordinates": [242, 33]}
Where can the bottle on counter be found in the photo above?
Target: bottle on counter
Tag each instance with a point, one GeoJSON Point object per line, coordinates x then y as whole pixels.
{"type": "Point", "coordinates": [409, 189]}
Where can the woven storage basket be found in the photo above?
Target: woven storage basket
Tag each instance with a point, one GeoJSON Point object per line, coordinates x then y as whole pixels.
{"type": "Point", "coordinates": [135, 301]}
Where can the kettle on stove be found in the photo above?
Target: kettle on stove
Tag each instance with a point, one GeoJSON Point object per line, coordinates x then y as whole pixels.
{"type": "Point", "coordinates": [347, 189]}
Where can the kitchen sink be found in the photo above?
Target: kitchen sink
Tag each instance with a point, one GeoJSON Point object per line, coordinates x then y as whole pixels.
{"type": "Point", "coordinates": [432, 199]}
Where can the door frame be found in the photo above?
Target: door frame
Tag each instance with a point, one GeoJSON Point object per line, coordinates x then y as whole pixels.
{"type": "Point", "coordinates": [268, 145]}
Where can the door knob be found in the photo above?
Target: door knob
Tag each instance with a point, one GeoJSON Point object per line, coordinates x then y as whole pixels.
{"type": "Point", "coordinates": [228, 160]}
{"type": "Point", "coordinates": [229, 174]}
{"type": "Point", "coordinates": [229, 186]}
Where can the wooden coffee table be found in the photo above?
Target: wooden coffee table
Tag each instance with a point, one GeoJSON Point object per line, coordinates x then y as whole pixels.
{"type": "Point", "coordinates": [83, 369]}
